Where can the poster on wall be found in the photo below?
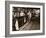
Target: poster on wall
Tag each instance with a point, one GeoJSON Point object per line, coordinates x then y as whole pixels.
{"type": "Point", "coordinates": [24, 18]}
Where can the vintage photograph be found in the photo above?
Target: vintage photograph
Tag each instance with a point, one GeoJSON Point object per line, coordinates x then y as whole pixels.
{"type": "Point", "coordinates": [25, 18]}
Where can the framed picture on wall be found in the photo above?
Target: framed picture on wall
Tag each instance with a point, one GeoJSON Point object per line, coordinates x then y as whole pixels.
{"type": "Point", "coordinates": [24, 18]}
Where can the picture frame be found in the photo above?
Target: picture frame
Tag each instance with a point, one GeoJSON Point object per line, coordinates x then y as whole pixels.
{"type": "Point", "coordinates": [11, 7]}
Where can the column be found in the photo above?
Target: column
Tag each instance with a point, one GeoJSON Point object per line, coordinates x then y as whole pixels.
{"type": "Point", "coordinates": [16, 25]}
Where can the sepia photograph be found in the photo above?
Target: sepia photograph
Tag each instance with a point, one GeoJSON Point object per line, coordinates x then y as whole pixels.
{"type": "Point", "coordinates": [24, 18]}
